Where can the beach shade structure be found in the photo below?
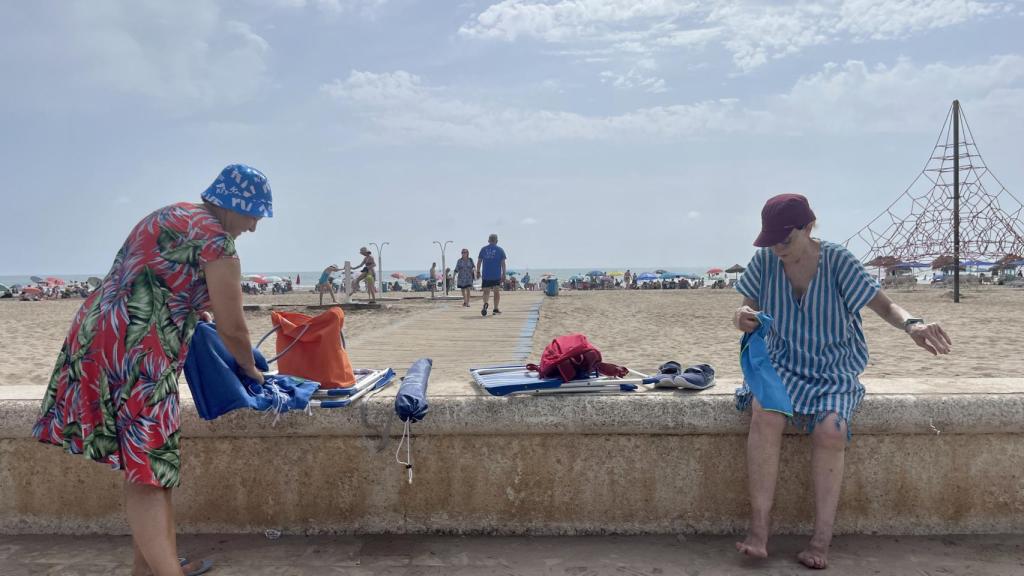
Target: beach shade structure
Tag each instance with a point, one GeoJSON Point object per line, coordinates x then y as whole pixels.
{"type": "Point", "coordinates": [397, 275]}
{"type": "Point", "coordinates": [976, 263]}
{"type": "Point", "coordinates": [616, 273]}
{"type": "Point", "coordinates": [1010, 261]}
{"type": "Point", "coordinates": [34, 290]}
{"type": "Point", "coordinates": [944, 261]}
{"type": "Point", "coordinates": [54, 281]}
{"type": "Point", "coordinates": [669, 275]}
{"type": "Point", "coordinates": [593, 273]}
{"type": "Point", "coordinates": [713, 271]}
{"type": "Point", "coordinates": [660, 271]}
{"type": "Point", "coordinates": [424, 276]}
{"type": "Point", "coordinates": [273, 279]}
{"type": "Point", "coordinates": [94, 282]}
{"type": "Point", "coordinates": [4, 289]}
{"type": "Point", "coordinates": [37, 279]}
{"type": "Point", "coordinates": [883, 262]}
{"type": "Point", "coordinates": [646, 276]}
{"type": "Point", "coordinates": [735, 269]}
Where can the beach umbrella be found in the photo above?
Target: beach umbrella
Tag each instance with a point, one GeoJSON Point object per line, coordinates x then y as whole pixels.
{"type": "Point", "coordinates": [4, 289]}
{"type": "Point", "coordinates": [669, 275]}
{"type": "Point", "coordinates": [94, 281]}
{"type": "Point", "coordinates": [713, 271]}
{"type": "Point", "coordinates": [647, 276]}
{"type": "Point", "coordinates": [616, 273]}
{"type": "Point", "coordinates": [735, 269]}
{"type": "Point", "coordinates": [976, 263]}
{"type": "Point", "coordinates": [273, 279]}
{"type": "Point", "coordinates": [397, 275]}
{"type": "Point", "coordinates": [54, 281]}
{"type": "Point", "coordinates": [884, 262]}
{"type": "Point", "coordinates": [424, 276]}
{"type": "Point", "coordinates": [595, 273]}
{"type": "Point", "coordinates": [660, 272]}
{"type": "Point", "coordinates": [37, 279]}
{"type": "Point", "coordinates": [252, 277]}
{"type": "Point", "coordinates": [32, 290]}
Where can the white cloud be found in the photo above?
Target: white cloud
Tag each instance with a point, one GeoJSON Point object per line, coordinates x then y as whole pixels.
{"type": "Point", "coordinates": [849, 98]}
{"type": "Point", "coordinates": [180, 56]}
{"type": "Point", "coordinates": [529, 221]}
{"type": "Point", "coordinates": [753, 32]}
{"type": "Point", "coordinates": [635, 78]}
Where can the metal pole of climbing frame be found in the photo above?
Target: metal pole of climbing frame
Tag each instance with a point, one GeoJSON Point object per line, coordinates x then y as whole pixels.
{"type": "Point", "coordinates": [956, 201]}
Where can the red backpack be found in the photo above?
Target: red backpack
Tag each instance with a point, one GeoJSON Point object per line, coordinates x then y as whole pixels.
{"type": "Point", "coordinates": [573, 357]}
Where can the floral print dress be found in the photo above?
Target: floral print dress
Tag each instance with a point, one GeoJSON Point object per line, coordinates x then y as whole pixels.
{"type": "Point", "coordinates": [113, 395]}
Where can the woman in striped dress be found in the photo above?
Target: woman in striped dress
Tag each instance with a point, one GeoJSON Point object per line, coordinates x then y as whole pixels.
{"type": "Point", "coordinates": [815, 290]}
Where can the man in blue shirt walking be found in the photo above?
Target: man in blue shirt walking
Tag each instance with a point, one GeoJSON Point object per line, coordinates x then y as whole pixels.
{"type": "Point", "coordinates": [492, 260]}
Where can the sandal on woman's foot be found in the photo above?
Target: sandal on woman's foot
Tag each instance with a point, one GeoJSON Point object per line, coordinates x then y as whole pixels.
{"type": "Point", "coordinates": [204, 567]}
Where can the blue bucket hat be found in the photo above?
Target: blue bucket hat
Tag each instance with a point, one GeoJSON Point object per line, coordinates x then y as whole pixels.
{"type": "Point", "coordinates": [241, 189]}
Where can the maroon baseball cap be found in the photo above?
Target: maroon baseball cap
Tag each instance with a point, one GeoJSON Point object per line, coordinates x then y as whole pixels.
{"type": "Point", "coordinates": [780, 216]}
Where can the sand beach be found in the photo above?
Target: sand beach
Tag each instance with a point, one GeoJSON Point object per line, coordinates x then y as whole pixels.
{"type": "Point", "coordinates": [639, 328]}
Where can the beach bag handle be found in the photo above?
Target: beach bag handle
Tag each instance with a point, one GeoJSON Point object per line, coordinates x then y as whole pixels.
{"type": "Point", "coordinates": [290, 346]}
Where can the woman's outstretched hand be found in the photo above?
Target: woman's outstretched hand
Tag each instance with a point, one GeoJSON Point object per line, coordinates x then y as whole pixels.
{"type": "Point", "coordinates": [931, 337]}
{"type": "Point", "coordinates": [745, 319]}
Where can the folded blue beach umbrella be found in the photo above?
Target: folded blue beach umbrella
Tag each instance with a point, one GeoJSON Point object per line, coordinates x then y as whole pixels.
{"type": "Point", "coordinates": [759, 375]}
{"type": "Point", "coordinates": [218, 386]}
{"type": "Point", "coordinates": [411, 401]}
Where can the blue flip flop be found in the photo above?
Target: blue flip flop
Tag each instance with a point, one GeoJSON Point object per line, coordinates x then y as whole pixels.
{"type": "Point", "coordinates": [204, 567]}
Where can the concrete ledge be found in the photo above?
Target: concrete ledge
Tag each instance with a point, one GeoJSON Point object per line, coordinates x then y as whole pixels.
{"type": "Point", "coordinates": [927, 457]}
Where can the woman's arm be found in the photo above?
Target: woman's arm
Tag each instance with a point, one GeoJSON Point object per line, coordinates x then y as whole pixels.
{"type": "Point", "coordinates": [931, 337]}
{"type": "Point", "coordinates": [226, 301]}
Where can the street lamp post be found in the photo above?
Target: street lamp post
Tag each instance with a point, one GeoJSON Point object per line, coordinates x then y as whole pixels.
{"type": "Point", "coordinates": [444, 268]}
{"type": "Point", "coordinates": [380, 264]}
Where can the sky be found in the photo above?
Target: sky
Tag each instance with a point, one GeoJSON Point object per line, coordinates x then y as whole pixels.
{"type": "Point", "coordinates": [620, 133]}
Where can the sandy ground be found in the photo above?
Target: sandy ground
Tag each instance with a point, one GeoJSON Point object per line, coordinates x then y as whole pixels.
{"type": "Point", "coordinates": [640, 329]}
{"type": "Point", "coordinates": [643, 329]}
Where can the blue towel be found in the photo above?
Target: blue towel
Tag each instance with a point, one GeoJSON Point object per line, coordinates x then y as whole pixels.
{"type": "Point", "coordinates": [411, 401]}
{"type": "Point", "coordinates": [759, 375]}
{"type": "Point", "coordinates": [218, 386]}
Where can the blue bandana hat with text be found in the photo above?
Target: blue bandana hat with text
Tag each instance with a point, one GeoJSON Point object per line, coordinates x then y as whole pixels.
{"type": "Point", "coordinates": [241, 189]}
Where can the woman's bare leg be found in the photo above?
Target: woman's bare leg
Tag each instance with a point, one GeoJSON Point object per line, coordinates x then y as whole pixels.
{"type": "Point", "coordinates": [151, 517]}
{"type": "Point", "coordinates": [828, 458]}
{"type": "Point", "coordinates": [764, 442]}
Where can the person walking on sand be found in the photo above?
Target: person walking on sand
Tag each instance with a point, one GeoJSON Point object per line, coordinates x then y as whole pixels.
{"type": "Point", "coordinates": [326, 284]}
{"type": "Point", "coordinates": [367, 273]}
{"type": "Point", "coordinates": [815, 290]}
{"type": "Point", "coordinates": [113, 394]}
{"type": "Point", "coordinates": [432, 281]}
{"type": "Point", "coordinates": [490, 268]}
{"type": "Point", "coordinates": [464, 269]}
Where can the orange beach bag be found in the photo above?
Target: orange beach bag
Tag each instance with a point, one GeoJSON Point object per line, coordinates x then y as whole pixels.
{"type": "Point", "coordinates": [317, 354]}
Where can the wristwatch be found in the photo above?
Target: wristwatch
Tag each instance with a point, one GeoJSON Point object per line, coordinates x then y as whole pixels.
{"type": "Point", "coordinates": [910, 322]}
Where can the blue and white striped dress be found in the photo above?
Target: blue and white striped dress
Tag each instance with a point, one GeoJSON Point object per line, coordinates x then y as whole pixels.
{"type": "Point", "coordinates": [816, 344]}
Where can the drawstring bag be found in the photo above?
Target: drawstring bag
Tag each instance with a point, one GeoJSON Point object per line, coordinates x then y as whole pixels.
{"type": "Point", "coordinates": [411, 406]}
{"type": "Point", "coordinates": [759, 376]}
{"type": "Point", "coordinates": [218, 386]}
{"type": "Point", "coordinates": [573, 357]}
{"type": "Point", "coordinates": [314, 347]}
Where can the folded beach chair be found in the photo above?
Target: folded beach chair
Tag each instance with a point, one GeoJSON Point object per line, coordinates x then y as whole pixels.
{"type": "Point", "coordinates": [506, 380]}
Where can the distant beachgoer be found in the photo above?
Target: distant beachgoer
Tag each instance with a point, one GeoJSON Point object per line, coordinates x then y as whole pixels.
{"type": "Point", "coordinates": [492, 262]}
{"type": "Point", "coordinates": [432, 281]}
{"type": "Point", "coordinates": [326, 283]}
{"type": "Point", "coordinates": [464, 269]}
{"type": "Point", "coordinates": [625, 279]}
{"type": "Point", "coordinates": [113, 396]}
{"type": "Point", "coordinates": [367, 273]}
{"type": "Point", "coordinates": [447, 280]}
{"type": "Point", "coordinates": [814, 290]}
{"type": "Point", "coordinates": [298, 280]}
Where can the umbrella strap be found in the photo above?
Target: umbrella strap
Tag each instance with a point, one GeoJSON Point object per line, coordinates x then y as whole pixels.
{"type": "Point", "coordinates": [407, 440]}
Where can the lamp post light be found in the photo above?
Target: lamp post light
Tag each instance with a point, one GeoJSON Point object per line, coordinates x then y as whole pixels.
{"type": "Point", "coordinates": [380, 264]}
{"type": "Point", "coordinates": [444, 268]}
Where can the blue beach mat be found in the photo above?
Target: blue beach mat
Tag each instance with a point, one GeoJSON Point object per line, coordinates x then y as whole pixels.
{"type": "Point", "coordinates": [507, 380]}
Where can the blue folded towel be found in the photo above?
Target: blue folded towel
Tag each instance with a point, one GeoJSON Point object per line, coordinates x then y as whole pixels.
{"type": "Point", "coordinates": [218, 386]}
{"type": "Point", "coordinates": [759, 375]}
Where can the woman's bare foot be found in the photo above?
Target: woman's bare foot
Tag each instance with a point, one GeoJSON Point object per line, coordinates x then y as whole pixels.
{"type": "Point", "coordinates": [754, 546]}
{"type": "Point", "coordinates": [814, 556]}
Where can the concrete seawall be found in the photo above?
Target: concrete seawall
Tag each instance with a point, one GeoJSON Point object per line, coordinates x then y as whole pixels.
{"type": "Point", "coordinates": [937, 456]}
